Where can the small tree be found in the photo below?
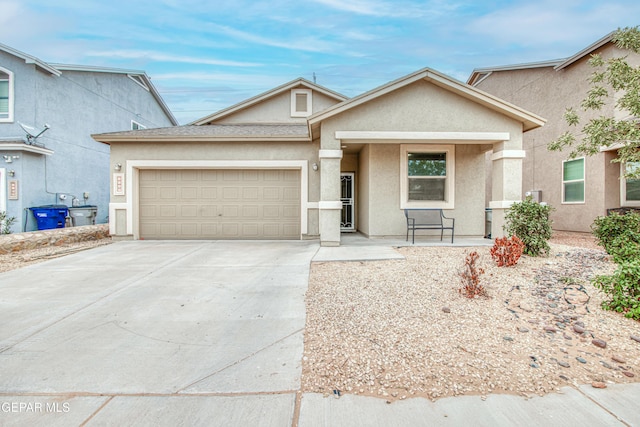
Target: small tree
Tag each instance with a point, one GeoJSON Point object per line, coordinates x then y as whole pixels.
{"type": "Point", "coordinates": [624, 79]}
{"type": "Point", "coordinates": [6, 222]}
{"type": "Point", "coordinates": [529, 221]}
{"type": "Point", "coordinates": [470, 277]}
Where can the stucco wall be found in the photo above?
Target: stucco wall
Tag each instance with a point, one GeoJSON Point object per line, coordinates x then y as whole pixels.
{"type": "Point", "coordinates": [75, 105]}
{"type": "Point", "coordinates": [548, 92]}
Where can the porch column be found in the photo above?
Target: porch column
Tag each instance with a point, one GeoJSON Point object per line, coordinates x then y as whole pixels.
{"type": "Point", "coordinates": [506, 185]}
{"type": "Point", "coordinates": [330, 205]}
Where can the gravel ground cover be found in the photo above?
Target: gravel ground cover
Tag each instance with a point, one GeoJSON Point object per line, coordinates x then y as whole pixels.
{"type": "Point", "coordinates": [400, 329]}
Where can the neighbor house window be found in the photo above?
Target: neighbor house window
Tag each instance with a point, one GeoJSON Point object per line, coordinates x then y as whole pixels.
{"type": "Point", "coordinates": [136, 125]}
{"type": "Point", "coordinates": [300, 102]}
{"type": "Point", "coordinates": [6, 95]}
{"type": "Point", "coordinates": [630, 187]}
{"type": "Point", "coordinates": [427, 174]}
{"type": "Point", "coordinates": [573, 181]}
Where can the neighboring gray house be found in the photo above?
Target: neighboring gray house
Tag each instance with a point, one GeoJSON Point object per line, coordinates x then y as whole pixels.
{"type": "Point", "coordinates": [64, 162]}
{"type": "Point", "coordinates": [578, 189]}
{"type": "Point", "coordinates": [303, 162]}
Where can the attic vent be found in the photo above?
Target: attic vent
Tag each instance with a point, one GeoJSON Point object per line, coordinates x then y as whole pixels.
{"type": "Point", "coordinates": [300, 102]}
{"type": "Point", "coordinates": [139, 80]}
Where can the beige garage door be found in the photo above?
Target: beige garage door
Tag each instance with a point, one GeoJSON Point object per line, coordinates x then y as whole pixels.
{"type": "Point", "coordinates": [219, 204]}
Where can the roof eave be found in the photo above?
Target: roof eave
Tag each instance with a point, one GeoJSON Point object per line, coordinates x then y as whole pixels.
{"type": "Point", "coordinates": [586, 51]}
{"type": "Point", "coordinates": [198, 138]}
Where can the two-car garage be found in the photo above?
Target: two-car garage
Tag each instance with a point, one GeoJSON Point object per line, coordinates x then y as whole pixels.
{"type": "Point", "coordinates": [219, 203]}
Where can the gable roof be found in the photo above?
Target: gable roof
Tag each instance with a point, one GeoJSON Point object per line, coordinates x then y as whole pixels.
{"type": "Point", "coordinates": [222, 132]}
{"type": "Point", "coordinates": [528, 120]}
{"type": "Point", "coordinates": [479, 74]}
{"type": "Point", "coordinates": [28, 59]}
{"type": "Point", "coordinates": [57, 70]}
{"type": "Point", "coordinates": [266, 95]}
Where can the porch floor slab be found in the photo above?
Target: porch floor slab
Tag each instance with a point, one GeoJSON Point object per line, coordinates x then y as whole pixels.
{"type": "Point", "coordinates": [357, 247]}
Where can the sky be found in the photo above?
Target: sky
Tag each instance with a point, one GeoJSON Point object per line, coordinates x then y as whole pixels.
{"type": "Point", "coordinates": [204, 56]}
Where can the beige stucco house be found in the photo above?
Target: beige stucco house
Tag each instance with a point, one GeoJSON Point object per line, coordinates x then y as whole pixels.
{"type": "Point", "coordinates": [304, 162]}
{"type": "Point", "coordinates": [578, 189]}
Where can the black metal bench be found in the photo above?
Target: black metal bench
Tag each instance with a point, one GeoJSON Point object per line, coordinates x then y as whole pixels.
{"type": "Point", "coordinates": [427, 219]}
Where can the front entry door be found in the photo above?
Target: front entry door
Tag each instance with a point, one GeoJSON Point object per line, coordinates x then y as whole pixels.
{"type": "Point", "coordinates": [347, 223]}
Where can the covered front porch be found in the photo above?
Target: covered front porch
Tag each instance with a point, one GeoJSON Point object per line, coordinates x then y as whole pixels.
{"type": "Point", "coordinates": [420, 142]}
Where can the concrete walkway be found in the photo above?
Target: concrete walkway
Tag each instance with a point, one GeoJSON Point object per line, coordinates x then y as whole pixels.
{"type": "Point", "coordinates": [210, 333]}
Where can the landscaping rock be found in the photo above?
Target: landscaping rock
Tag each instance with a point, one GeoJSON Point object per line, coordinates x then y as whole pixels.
{"type": "Point", "coordinates": [618, 359]}
{"type": "Point", "coordinates": [599, 343]}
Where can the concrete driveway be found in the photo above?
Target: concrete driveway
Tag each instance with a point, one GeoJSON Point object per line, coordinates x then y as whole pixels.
{"type": "Point", "coordinates": [155, 333]}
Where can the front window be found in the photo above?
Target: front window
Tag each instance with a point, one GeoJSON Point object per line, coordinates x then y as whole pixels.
{"type": "Point", "coordinates": [427, 176]}
{"type": "Point", "coordinates": [573, 181]}
{"type": "Point", "coordinates": [630, 190]}
{"type": "Point", "coordinates": [6, 95]}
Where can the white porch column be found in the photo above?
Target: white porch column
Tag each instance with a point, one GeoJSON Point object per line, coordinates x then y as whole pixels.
{"type": "Point", "coordinates": [506, 185]}
{"type": "Point", "coordinates": [330, 205]}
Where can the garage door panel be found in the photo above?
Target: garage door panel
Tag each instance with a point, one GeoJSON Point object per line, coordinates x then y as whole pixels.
{"type": "Point", "coordinates": [189, 175]}
{"type": "Point", "coordinates": [231, 193]}
{"type": "Point", "coordinates": [189, 230]}
{"type": "Point", "coordinates": [231, 175]}
{"type": "Point", "coordinates": [148, 211]}
{"type": "Point", "coordinates": [209, 193]}
{"type": "Point", "coordinates": [189, 193]}
{"type": "Point", "coordinates": [208, 211]}
{"type": "Point", "coordinates": [250, 175]}
{"type": "Point", "coordinates": [167, 192]}
{"type": "Point", "coordinates": [189, 211]}
{"type": "Point", "coordinates": [209, 230]}
{"type": "Point", "coordinates": [219, 204]}
{"type": "Point", "coordinates": [167, 175]}
{"type": "Point", "coordinates": [250, 193]}
{"type": "Point", "coordinates": [169, 211]}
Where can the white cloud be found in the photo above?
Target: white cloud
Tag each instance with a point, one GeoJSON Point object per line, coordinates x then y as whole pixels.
{"type": "Point", "coordinates": [162, 57]}
{"type": "Point", "coordinates": [305, 44]}
{"type": "Point", "coordinates": [552, 22]}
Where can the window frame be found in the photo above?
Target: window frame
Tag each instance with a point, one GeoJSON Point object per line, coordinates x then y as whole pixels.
{"type": "Point", "coordinates": [140, 125]}
{"type": "Point", "coordinates": [623, 188]}
{"type": "Point", "coordinates": [11, 100]}
{"type": "Point", "coordinates": [449, 188]}
{"type": "Point", "coordinates": [570, 181]}
{"type": "Point", "coordinates": [308, 111]}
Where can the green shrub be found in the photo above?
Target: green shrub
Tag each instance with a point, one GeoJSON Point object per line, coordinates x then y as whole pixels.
{"type": "Point", "coordinates": [619, 235]}
{"type": "Point", "coordinates": [623, 288]}
{"type": "Point", "coordinates": [6, 222]}
{"type": "Point", "coordinates": [529, 221]}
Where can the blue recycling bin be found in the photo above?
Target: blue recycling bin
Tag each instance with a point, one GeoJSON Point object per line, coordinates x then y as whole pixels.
{"type": "Point", "coordinates": [50, 216]}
